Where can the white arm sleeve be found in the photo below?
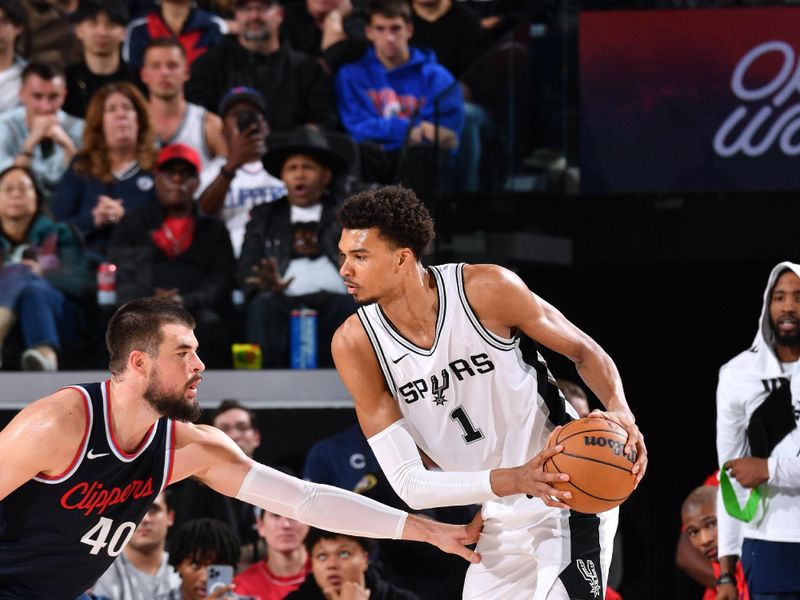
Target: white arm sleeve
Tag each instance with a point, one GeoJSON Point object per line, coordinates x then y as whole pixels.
{"type": "Point", "coordinates": [731, 443]}
{"type": "Point", "coordinates": [397, 453]}
{"type": "Point", "coordinates": [322, 506]}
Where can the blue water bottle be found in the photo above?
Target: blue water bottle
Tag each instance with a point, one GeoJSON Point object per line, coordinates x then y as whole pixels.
{"type": "Point", "coordinates": [303, 343]}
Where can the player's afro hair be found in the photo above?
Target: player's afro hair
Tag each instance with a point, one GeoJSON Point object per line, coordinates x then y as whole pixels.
{"type": "Point", "coordinates": [396, 212]}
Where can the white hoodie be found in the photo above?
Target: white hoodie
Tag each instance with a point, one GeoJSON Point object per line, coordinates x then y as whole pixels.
{"type": "Point", "coordinates": [744, 383]}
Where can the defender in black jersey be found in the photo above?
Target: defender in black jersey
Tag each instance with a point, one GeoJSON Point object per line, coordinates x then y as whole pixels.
{"type": "Point", "coordinates": [80, 468]}
{"type": "Point", "coordinates": [442, 361]}
{"type": "Point", "coordinates": [92, 508]}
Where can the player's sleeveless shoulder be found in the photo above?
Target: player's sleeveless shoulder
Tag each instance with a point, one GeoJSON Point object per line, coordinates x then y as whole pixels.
{"type": "Point", "coordinates": [84, 516]}
{"type": "Point", "coordinates": [445, 392]}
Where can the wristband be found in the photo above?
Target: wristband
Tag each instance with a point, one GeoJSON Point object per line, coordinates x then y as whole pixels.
{"type": "Point", "coordinates": [227, 174]}
{"type": "Point", "coordinates": [726, 578]}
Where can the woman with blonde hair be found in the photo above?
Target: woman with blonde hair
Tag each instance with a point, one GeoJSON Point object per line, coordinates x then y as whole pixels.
{"type": "Point", "coordinates": [111, 175]}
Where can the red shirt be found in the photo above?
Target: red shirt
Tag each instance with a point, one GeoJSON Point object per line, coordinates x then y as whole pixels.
{"type": "Point", "coordinates": [263, 584]}
{"type": "Point", "coordinates": [175, 235]}
{"type": "Point", "coordinates": [741, 585]}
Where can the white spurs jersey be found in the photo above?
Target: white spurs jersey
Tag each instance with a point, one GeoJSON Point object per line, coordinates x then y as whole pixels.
{"type": "Point", "coordinates": [473, 400]}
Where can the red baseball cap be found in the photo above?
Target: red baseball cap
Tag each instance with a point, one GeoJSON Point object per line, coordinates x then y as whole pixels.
{"type": "Point", "coordinates": [179, 152]}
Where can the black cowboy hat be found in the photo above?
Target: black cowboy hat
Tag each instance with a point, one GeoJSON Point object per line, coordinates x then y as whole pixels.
{"type": "Point", "coordinates": [301, 141]}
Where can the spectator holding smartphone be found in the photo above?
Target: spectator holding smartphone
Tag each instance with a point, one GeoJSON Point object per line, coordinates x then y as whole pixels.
{"type": "Point", "coordinates": [231, 186]}
{"type": "Point", "coordinates": [201, 548]}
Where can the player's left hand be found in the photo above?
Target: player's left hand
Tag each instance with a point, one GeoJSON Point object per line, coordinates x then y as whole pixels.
{"type": "Point", "coordinates": [635, 441]}
{"type": "Point", "coordinates": [748, 470]}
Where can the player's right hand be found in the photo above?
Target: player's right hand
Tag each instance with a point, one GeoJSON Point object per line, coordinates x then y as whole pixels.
{"type": "Point", "coordinates": [535, 481]}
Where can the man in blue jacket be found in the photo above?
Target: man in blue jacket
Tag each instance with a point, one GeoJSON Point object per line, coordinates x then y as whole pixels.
{"type": "Point", "coordinates": [396, 95]}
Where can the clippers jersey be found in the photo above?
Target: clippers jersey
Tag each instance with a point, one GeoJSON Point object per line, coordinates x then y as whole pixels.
{"type": "Point", "coordinates": [474, 400]}
{"type": "Point", "coordinates": [59, 534]}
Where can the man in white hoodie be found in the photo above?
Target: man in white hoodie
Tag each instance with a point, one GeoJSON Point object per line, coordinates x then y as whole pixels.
{"type": "Point", "coordinates": [758, 444]}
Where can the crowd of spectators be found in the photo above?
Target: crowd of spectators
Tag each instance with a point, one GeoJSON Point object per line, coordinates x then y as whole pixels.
{"type": "Point", "coordinates": [148, 134]}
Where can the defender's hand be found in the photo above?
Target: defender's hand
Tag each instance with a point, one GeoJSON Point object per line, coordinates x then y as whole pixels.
{"type": "Point", "coordinates": [454, 539]}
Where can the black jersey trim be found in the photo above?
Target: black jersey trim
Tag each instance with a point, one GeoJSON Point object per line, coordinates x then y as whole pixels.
{"type": "Point", "coordinates": [400, 339]}
{"type": "Point", "coordinates": [81, 452]}
{"type": "Point", "coordinates": [376, 348]}
{"type": "Point", "coordinates": [490, 338]}
{"type": "Point", "coordinates": [546, 387]}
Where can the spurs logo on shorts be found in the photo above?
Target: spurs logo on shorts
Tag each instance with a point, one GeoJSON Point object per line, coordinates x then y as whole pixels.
{"type": "Point", "coordinates": [589, 573]}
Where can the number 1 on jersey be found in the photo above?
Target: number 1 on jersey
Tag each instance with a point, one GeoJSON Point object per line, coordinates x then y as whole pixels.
{"type": "Point", "coordinates": [470, 433]}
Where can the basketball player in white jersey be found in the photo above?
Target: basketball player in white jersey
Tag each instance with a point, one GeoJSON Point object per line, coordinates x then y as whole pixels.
{"type": "Point", "coordinates": [176, 121]}
{"type": "Point", "coordinates": [442, 362]}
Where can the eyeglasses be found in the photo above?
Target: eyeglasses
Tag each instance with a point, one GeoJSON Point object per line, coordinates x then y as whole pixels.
{"type": "Point", "coordinates": [22, 188]}
{"type": "Point", "coordinates": [238, 427]}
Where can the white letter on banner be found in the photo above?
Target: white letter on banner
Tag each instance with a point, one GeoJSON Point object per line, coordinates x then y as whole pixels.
{"type": "Point", "coordinates": [783, 85]}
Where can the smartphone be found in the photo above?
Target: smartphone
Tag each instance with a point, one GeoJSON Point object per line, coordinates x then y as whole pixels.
{"type": "Point", "coordinates": [47, 146]}
{"type": "Point", "coordinates": [245, 119]}
{"type": "Point", "coordinates": [218, 576]}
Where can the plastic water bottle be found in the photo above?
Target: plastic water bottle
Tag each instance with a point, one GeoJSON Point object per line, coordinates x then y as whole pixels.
{"type": "Point", "coordinates": [303, 342]}
{"type": "Point", "coordinates": [107, 284]}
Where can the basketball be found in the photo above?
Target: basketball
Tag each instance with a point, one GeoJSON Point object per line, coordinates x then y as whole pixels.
{"type": "Point", "coordinates": [599, 472]}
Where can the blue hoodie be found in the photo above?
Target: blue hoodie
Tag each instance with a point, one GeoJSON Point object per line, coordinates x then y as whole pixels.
{"type": "Point", "coordinates": [380, 106]}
